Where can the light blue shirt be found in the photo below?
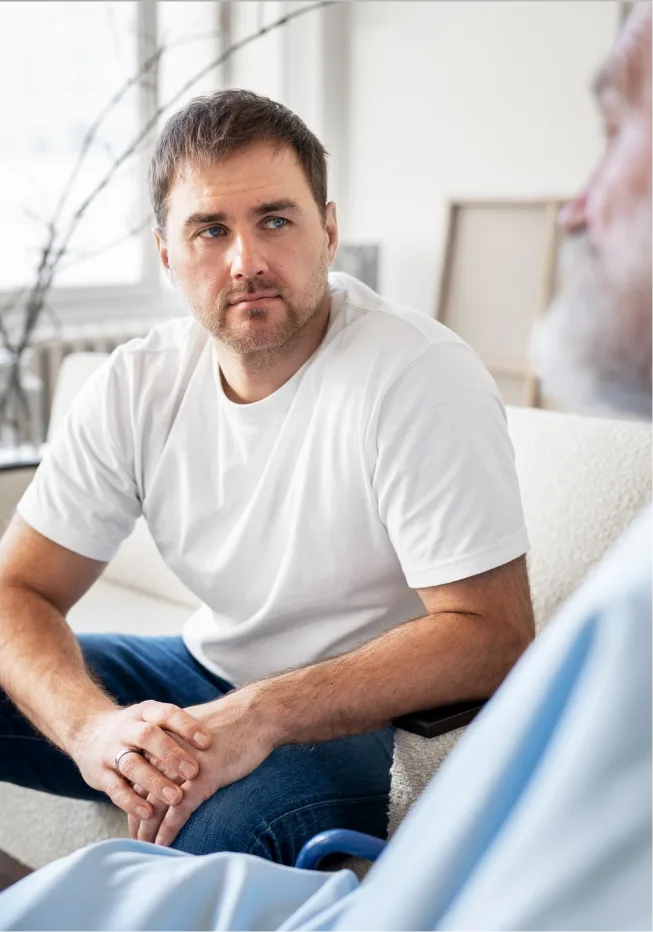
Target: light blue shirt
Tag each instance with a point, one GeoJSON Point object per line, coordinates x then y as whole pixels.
{"type": "Point", "coordinates": [539, 819]}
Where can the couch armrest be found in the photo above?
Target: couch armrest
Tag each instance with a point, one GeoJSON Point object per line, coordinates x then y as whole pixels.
{"type": "Point", "coordinates": [433, 722]}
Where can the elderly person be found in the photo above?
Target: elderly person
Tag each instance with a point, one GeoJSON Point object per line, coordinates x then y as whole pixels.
{"type": "Point", "coordinates": [536, 821]}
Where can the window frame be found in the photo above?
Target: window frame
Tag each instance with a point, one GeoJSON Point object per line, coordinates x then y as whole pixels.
{"type": "Point", "coordinates": [148, 297]}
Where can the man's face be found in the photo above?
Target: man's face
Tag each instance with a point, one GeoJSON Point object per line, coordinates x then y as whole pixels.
{"type": "Point", "coordinates": [594, 345]}
{"type": "Point", "coordinates": [248, 247]}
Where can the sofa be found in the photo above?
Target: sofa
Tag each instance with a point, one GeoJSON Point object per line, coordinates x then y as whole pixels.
{"type": "Point", "coordinates": [582, 480]}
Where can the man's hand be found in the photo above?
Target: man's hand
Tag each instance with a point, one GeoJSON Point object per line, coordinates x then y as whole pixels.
{"type": "Point", "coordinates": [242, 740]}
{"type": "Point", "coordinates": [147, 728]}
{"type": "Point", "coordinates": [474, 631]}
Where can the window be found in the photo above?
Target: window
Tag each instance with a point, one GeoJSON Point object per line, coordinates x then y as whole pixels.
{"type": "Point", "coordinates": [189, 32]}
{"type": "Point", "coordinates": [60, 64]}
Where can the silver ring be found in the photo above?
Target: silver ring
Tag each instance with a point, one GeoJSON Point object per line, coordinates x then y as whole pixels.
{"type": "Point", "coordinates": [121, 754]}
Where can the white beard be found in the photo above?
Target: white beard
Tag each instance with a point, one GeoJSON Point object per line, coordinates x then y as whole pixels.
{"type": "Point", "coordinates": [593, 347]}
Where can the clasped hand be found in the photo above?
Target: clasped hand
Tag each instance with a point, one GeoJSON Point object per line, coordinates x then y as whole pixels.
{"type": "Point", "coordinates": [240, 742]}
{"type": "Point", "coordinates": [160, 730]}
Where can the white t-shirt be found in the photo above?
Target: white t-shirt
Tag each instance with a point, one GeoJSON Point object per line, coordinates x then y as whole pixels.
{"type": "Point", "coordinates": [303, 522]}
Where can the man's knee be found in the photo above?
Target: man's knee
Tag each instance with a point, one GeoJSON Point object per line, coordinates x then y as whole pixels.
{"type": "Point", "coordinates": [296, 792]}
{"type": "Point", "coordinates": [282, 838]}
{"type": "Point", "coordinates": [223, 823]}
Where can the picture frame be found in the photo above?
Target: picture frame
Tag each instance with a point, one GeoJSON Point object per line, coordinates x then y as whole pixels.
{"type": "Point", "coordinates": [499, 273]}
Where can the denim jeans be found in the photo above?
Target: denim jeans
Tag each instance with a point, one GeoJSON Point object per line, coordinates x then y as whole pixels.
{"type": "Point", "coordinates": [298, 791]}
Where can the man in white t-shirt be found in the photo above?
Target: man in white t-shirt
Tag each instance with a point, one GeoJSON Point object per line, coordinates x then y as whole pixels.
{"type": "Point", "coordinates": [329, 472]}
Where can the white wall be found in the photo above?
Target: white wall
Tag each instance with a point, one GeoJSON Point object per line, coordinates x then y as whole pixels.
{"type": "Point", "coordinates": [305, 65]}
{"type": "Point", "coordinates": [258, 67]}
{"type": "Point", "coordinates": [464, 99]}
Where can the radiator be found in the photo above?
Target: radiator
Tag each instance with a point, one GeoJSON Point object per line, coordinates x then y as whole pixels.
{"type": "Point", "coordinates": [48, 354]}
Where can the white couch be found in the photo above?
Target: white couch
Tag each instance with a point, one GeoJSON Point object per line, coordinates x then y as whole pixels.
{"type": "Point", "coordinates": [582, 481]}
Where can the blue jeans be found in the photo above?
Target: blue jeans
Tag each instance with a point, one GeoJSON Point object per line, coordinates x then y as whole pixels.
{"type": "Point", "coordinates": [298, 791]}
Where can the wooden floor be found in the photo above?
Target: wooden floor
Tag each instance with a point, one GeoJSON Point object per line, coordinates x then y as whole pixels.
{"type": "Point", "coordinates": [11, 870]}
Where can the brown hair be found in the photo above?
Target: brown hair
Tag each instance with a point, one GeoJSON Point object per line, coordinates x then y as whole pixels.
{"type": "Point", "coordinates": [207, 129]}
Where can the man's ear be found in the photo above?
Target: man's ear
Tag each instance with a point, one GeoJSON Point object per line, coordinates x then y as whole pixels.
{"type": "Point", "coordinates": [331, 227]}
{"type": "Point", "coordinates": [162, 249]}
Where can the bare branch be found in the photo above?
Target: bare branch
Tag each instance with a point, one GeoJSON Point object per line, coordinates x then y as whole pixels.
{"type": "Point", "coordinates": [108, 151]}
{"type": "Point", "coordinates": [141, 75]}
{"type": "Point", "coordinates": [36, 300]}
{"type": "Point", "coordinates": [34, 304]}
{"type": "Point", "coordinates": [191, 37]}
{"type": "Point", "coordinates": [111, 21]}
{"type": "Point", "coordinates": [55, 320]}
{"type": "Point", "coordinates": [151, 123]}
{"type": "Point", "coordinates": [92, 131]}
{"type": "Point", "coordinates": [37, 218]}
{"type": "Point", "coordinates": [9, 305]}
{"type": "Point", "coordinates": [12, 300]}
{"type": "Point", "coordinates": [56, 246]}
{"type": "Point", "coordinates": [75, 257]}
{"type": "Point", "coordinates": [54, 317]}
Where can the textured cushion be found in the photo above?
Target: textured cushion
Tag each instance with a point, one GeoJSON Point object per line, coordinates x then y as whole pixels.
{"type": "Point", "coordinates": [415, 761]}
{"type": "Point", "coordinates": [37, 828]}
{"type": "Point", "coordinates": [582, 480]}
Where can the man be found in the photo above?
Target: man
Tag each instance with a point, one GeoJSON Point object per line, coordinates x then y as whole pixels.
{"type": "Point", "coordinates": [330, 473]}
{"type": "Point", "coordinates": [541, 818]}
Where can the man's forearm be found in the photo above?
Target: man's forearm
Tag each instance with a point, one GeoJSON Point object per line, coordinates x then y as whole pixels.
{"type": "Point", "coordinates": [424, 663]}
{"type": "Point", "coordinates": [41, 666]}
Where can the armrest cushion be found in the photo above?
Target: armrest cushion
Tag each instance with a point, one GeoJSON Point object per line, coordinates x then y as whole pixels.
{"type": "Point", "coordinates": [433, 722]}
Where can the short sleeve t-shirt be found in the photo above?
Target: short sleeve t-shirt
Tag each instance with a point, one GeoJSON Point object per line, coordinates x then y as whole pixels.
{"type": "Point", "coordinates": [306, 521]}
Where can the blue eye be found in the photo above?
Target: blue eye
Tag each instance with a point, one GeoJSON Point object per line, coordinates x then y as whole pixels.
{"type": "Point", "coordinates": [279, 222]}
{"type": "Point", "coordinates": [217, 230]}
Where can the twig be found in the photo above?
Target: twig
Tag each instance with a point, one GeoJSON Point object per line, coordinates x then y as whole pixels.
{"type": "Point", "coordinates": [12, 300]}
{"type": "Point", "coordinates": [56, 246]}
{"type": "Point", "coordinates": [91, 132]}
{"type": "Point", "coordinates": [37, 218]}
{"type": "Point", "coordinates": [148, 65]}
{"type": "Point", "coordinates": [75, 257]}
{"type": "Point", "coordinates": [9, 305]}
{"type": "Point", "coordinates": [151, 123]}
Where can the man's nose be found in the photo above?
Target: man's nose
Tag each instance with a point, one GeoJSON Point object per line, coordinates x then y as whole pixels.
{"type": "Point", "coordinates": [246, 259]}
{"type": "Point", "coordinates": [573, 215]}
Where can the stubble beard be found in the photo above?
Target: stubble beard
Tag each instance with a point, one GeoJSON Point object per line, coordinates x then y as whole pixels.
{"type": "Point", "coordinates": [592, 349]}
{"type": "Point", "coordinates": [259, 346]}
